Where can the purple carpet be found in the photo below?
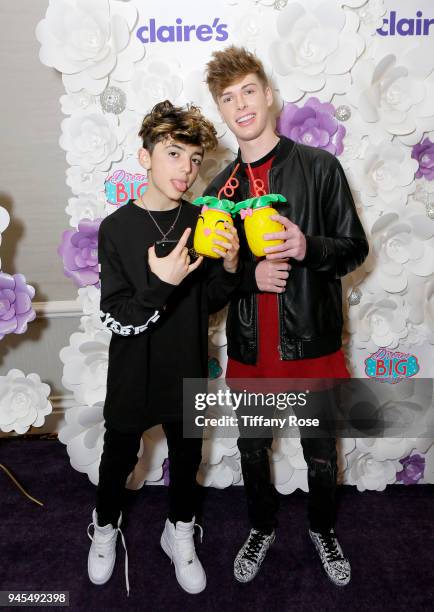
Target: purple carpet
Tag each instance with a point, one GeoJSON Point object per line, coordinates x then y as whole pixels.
{"type": "Point", "coordinates": [388, 537]}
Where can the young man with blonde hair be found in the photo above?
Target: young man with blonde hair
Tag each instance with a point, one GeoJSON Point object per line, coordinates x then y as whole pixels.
{"type": "Point", "coordinates": [285, 321]}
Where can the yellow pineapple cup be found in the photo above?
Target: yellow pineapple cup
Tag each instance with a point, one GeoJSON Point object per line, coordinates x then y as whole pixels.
{"type": "Point", "coordinates": [213, 216]}
{"type": "Point", "coordinates": [257, 213]}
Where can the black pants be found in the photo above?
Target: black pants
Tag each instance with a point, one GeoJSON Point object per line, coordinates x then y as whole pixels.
{"type": "Point", "coordinates": [320, 456]}
{"type": "Point", "coordinates": [119, 458]}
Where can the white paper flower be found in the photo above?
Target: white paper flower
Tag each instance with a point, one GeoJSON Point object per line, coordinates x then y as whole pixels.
{"type": "Point", "coordinates": [381, 449]}
{"type": "Point", "coordinates": [130, 123]}
{"type": "Point", "coordinates": [154, 79]}
{"type": "Point", "coordinates": [91, 141]}
{"type": "Point", "coordinates": [429, 310]}
{"type": "Point", "coordinates": [4, 222]}
{"type": "Point", "coordinates": [195, 89]}
{"type": "Point", "coordinates": [371, 16]}
{"type": "Point", "coordinates": [88, 41]}
{"type": "Point", "coordinates": [353, 3]}
{"type": "Point", "coordinates": [82, 182]}
{"type": "Point", "coordinates": [380, 320]}
{"type": "Point", "coordinates": [386, 173]}
{"type": "Point", "coordinates": [23, 401]}
{"type": "Point", "coordinates": [76, 102]}
{"type": "Point", "coordinates": [220, 476]}
{"type": "Point", "coordinates": [251, 27]}
{"type": "Point", "coordinates": [86, 207]}
{"type": "Point", "coordinates": [345, 447]}
{"type": "Point", "coordinates": [89, 299]}
{"type": "Point", "coordinates": [394, 94]}
{"type": "Point", "coordinates": [316, 47]}
{"type": "Point", "coordinates": [85, 365]}
{"type": "Point", "coordinates": [83, 434]}
{"type": "Point", "coordinates": [153, 451]}
{"type": "Point", "coordinates": [368, 474]}
{"type": "Point", "coordinates": [4, 219]}
{"type": "Point", "coordinates": [214, 449]}
{"type": "Point", "coordinates": [402, 246]}
{"type": "Point", "coordinates": [288, 467]}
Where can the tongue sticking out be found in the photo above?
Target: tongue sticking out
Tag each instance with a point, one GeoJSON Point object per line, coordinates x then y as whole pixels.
{"type": "Point", "coordinates": [180, 185]}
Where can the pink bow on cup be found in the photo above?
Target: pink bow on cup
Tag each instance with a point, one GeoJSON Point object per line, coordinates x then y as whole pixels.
{"type": "Point", "coordinates": [244, 212]}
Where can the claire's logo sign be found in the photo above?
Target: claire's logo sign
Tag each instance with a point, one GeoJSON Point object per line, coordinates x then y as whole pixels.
{"type": "Point", "coordinates": [393, 25]}
{"type": "Point", "coordinates": [180, 32]}
{"type": "Point", "coordinates": [122, 186]}
{"type": "Point", "coordinates": [391, 366]}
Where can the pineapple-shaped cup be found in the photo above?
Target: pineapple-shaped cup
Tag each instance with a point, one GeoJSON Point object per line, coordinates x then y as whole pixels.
{"type": "Point", "coordinates": [213, 215]}
{"type": "Point", "coordinates": [256, 213]}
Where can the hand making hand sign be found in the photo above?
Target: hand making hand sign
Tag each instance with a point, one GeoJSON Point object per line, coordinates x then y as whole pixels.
{"type": "Point", "coordinates": [176, 266]}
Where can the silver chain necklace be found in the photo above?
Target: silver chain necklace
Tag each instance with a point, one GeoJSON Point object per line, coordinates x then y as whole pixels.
{"type": "Point", "coordinates": [163, 235]}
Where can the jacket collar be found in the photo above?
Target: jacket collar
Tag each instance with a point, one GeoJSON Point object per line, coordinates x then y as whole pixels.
{"type": "Point", "coordinates": [284, 149]}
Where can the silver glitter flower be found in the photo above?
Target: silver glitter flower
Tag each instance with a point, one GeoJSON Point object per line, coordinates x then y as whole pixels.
{"type": "Point", "coordinates": [343, 112]}
{"type": "Point", "coordinates": [279, 5]}
{"type": "Point", "coordinates": [355, 297]}
{"type": "Point", "coordinates": [113, 100]}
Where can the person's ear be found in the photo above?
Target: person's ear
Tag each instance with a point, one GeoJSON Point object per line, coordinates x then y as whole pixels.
{"type": "Point", "coordinates": [269, 96]}
{"type": "Point", "coordinates": [144, 158]}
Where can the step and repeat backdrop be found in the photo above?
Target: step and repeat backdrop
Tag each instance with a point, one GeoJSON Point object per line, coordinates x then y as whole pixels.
{"type": "Point", "coordinates": [354, 77]}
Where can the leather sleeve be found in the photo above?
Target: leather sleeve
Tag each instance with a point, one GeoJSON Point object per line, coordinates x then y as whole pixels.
{"type": "Point", "coordinates": [344, 247]}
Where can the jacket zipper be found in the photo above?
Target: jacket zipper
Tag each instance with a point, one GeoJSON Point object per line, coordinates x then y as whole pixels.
{"type": "Point", "coordinates": [278, 295]}
{"type": "Point", "coordinates": [245, 195]}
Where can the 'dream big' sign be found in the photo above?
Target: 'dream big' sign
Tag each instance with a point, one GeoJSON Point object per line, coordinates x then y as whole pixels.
{"type": "Point", "coordinates": [122, 186]}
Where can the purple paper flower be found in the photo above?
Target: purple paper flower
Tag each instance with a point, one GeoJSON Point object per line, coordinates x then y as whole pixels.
{"type": "Point", "coordinates": [413, 469]}
{"type": "Point", "coordinates": [166, 474]}
{"type": "Point", "coordinates": [79, 251]}
{"type": "Point", "coordinates": [15, 304]}
{"type": "Point", "coordinates": [314, 124]}
{"type": "Point", "coordinates": [423, 153]}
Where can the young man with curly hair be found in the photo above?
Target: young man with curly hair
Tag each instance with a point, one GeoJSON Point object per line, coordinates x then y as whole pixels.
{"type": "Point", "coordinates": [156, 301]}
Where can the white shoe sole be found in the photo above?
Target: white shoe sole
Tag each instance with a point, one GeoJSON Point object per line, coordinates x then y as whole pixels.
{"type": "Point", "coordinates": [166, 547]}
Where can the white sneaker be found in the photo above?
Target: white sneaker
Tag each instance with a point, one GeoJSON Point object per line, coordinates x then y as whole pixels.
{"type": "Point", "coordinates": [102, 553]}
{"type": "Point", "coordinates": [178, 544]}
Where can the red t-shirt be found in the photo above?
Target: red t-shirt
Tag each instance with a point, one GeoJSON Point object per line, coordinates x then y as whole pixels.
{"type": "Point", "coordinates": [269, 363]}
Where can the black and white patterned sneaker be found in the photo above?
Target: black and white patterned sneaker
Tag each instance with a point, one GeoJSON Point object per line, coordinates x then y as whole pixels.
{"type": "Point", "coordinates": [336, 566]}
{"type": "Point", "coordinates": [251, 555]}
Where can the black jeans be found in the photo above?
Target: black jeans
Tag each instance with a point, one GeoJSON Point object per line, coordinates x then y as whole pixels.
{"type": "Point", "coordinates": [119, 458]}
{"type": "Point", "coordinates": [320, 456]}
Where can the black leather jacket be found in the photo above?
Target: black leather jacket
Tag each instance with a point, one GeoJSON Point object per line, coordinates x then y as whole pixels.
{"type": "Point", "coordinates": [319, 201]}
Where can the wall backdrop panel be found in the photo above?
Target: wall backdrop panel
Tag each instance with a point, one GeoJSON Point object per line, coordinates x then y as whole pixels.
{"type": "Point", "coordinates": [368, 95]}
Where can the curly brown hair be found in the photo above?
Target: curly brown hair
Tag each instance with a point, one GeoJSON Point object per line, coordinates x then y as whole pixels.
{"type": "Point", "coordinates": [185, 124]}
{"type": "Point", "coordinates": [230, 65]}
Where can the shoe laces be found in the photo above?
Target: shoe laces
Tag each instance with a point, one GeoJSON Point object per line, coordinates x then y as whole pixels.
{"type": "Point", "coordinates": [254, 545]}
{"type": "Point", "coordinates": [330, 545]}
{"type": "Point", "coordinates": [103, 543]}
{"type": "Point", "coordinates": [185, 542]}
